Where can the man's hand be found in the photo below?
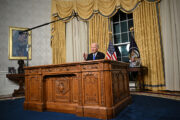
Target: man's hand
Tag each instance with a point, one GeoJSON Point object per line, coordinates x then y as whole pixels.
{"type": "Point", "coordinates": [85, 56]}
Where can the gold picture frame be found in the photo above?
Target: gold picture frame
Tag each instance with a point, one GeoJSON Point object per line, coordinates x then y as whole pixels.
{"type": "Point", "coordinates": [19, 43]}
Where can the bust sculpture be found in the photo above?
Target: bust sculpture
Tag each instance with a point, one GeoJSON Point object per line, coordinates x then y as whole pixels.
{"type": "Point", "coordinates": [21, 66]}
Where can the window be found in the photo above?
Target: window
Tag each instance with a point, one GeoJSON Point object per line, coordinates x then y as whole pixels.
{"type": "Point", "coordinates": [121, 24]}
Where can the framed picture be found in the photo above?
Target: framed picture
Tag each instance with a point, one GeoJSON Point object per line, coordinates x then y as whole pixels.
{"type": "Point", "coordinates": [19, 43]}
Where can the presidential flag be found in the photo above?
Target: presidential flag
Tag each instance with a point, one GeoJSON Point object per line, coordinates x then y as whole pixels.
{"type": "Point", "coordinates": [111, 53]}
{"type": "Point", "coordinates": [133, 46]}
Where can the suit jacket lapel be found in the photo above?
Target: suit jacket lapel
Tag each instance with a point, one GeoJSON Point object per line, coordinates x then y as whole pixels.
{"type": "Point", "coordinates": [97, 55]}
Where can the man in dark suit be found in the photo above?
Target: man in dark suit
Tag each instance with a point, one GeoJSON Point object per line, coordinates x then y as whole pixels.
{"type": "Point", "coordinates": [95, 55]}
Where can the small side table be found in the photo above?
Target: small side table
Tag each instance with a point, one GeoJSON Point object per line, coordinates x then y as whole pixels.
{"type": "Point", "coordinates": [19, 79]}
{"type": "Point", "coordinates": [141, 71]}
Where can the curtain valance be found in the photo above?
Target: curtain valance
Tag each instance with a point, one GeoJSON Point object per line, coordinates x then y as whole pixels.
{"type": "Point", "coordinates": [86, 8]}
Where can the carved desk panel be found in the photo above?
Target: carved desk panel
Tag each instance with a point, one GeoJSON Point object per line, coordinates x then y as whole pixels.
{"type": "Point", "coordinates": [97, 88]}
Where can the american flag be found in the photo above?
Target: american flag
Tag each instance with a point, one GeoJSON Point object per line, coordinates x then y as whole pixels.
{"type": "Point", "coordinates": [111, 53]}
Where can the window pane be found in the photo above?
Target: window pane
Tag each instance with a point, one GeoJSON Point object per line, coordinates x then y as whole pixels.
{"type": "Point", "coordinates": [122, 23]}
{"type": "Point", "coordinates": [130, 24]}
{"type": "Point", "coordinates": [130, 16]}
{"type": "Point", "coordinates": [116, 28]}
{"type": "Point", "coordinates": [124, 26]}
{"type": "Point", "coordinates": [116, 39]}
{"type": "Point", "coordinates": [116, 17]}
{"type": "Point", "coordinates": [122, 16]}
{"type": "Point", "coordinates": [124, 50]}
{"type": "Point", "coordinates": [124, 37]}
{"type": "Point", "coordinates": [125, 59]}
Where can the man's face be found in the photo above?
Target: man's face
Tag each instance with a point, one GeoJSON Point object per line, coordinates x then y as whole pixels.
{"type": "Point", "coordinates": [94, 48]}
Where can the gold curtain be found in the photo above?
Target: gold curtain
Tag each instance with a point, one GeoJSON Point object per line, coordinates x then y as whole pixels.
{"type": "Point", "coordinates": [58, 42]}
{"type": "Point", "coordinates": [86, 8]}
{"type": "Point", "coordinates": [98, 32]}
{"type": "Point", "coordinates": [98, 26]}
{"type": "Point", "coordinates": [148, 40]}
{"type": "Point", "coordinates": [145, 27]}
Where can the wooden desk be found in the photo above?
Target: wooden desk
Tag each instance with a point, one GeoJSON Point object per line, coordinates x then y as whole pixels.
{"type": "Point", "coordinates": [19, 79]}
{"type": "Point", "coordinates": [97, 88]}
{"type": "Point", "coordinates": [140, 81]}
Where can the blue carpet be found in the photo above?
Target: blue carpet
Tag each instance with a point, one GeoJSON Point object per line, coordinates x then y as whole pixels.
{"type": "Point", "coordinates": [142, 108]}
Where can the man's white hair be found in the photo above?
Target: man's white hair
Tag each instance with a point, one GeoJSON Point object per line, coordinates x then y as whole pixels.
{"type": "Point", "coordinates": [96, 45]}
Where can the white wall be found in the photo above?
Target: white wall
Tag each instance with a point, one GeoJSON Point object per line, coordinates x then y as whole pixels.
{"type": "Point", "coordinates": [27, 14]}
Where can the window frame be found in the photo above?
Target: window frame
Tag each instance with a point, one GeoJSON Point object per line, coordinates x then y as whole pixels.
{"type": "Point", "coordinates": [121, 43]}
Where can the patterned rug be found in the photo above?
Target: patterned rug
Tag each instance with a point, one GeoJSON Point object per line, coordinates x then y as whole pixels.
{"type": "Point", "coordinates": [142, 108]}
{"type": "Point", "coordinates": [174, 95]}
